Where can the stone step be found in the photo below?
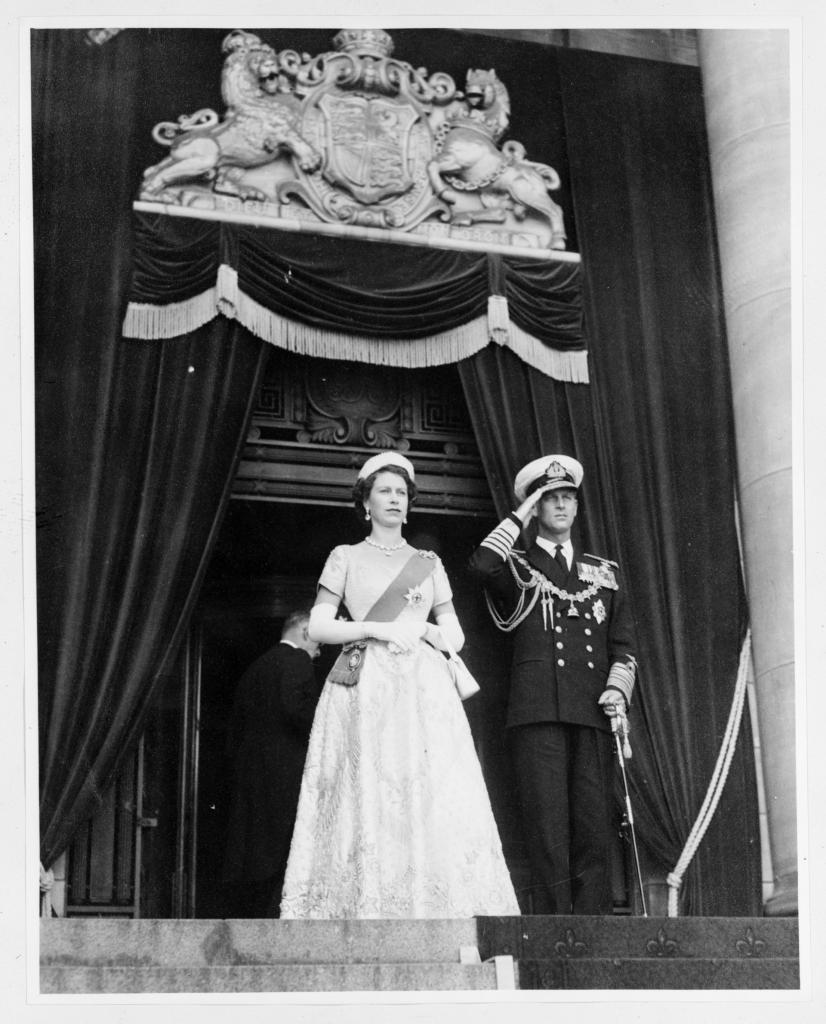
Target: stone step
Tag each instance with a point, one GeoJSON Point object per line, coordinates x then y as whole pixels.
{"type": "Point", "coordinates": [328, 977]}
{"type": "Point", "coordinates": [653, 973]}
{"type": "Point", "coordinates": [122, 955]}
{"type": "Point", "coordinates": [549, 938]}
{"type": "Point", "coordinates": [101, 942]}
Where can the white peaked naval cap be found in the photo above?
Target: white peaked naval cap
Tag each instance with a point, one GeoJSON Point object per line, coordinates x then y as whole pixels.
{"type": "Point", "coordinates": [550, 472]}
{"type": "Point", "coordinates": [383, 459]}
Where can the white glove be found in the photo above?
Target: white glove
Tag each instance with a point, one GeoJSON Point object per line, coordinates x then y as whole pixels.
{"type": "Point", "coordinates": [449, 631]}
{"type": "Point", "coordinates": [613, 703]}
{"type": "Point", "coordinates": [399, 636]}
{"type": "Point", "coordinates": [325, 628]}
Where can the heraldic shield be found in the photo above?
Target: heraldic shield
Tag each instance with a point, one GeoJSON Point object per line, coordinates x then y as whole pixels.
{"type": "Point", "coordinates": [375, 154]}
{"type": "Point", "coordinates": [367, 145]}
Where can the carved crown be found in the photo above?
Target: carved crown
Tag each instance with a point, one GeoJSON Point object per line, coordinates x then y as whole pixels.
{"type": "Point", "coordinates": [238, 39]}
{"type": "Point", "coordinates": [373, 41]}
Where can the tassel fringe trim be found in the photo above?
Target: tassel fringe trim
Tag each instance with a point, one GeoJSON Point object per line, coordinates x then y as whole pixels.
{"type": "Point", "coordinates": [153, 323]}
{"type": "Point", "coordinates": [571, 367]}
{"type": "Point", "coordinates": [414, 353]}
{"type": "Point", "coordinates": [150, 322]}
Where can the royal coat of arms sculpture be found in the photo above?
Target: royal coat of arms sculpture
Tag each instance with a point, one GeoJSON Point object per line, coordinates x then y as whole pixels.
{"type": "Point", "coordinates": [357, 142]}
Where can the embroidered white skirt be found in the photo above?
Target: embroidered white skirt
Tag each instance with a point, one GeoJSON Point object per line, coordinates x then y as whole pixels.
{"type": "Point", "coordinates": [394, 818]}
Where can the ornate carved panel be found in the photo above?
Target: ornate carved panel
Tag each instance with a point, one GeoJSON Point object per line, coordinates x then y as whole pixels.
{"type": "Point", "coordinates": [319, 401]}
{"type": "Point", "coordinates": [317, 420]}
{"type": "Point", "coordinates": [351, 403]}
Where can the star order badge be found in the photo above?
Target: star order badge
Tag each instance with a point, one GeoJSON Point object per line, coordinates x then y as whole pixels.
{"type": "Point", "coordinates": [414, 597]}
{"type": "Point", "coordinates": [599, 611]}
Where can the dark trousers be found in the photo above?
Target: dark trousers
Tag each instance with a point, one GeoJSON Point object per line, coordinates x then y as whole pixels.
{"type": "Point", "coordinates": [565, 778]}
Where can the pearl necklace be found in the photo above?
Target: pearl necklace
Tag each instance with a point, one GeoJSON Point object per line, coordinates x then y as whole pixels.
{"type": "Point", "coordinates": [388, 549]}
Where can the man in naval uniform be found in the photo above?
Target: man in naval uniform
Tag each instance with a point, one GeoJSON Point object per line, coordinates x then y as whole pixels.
{"type": "Point", "coordinates": [573, 671]}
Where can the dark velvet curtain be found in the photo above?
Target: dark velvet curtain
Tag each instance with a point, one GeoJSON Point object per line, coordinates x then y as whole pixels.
{"type": "Point", "coordinates": [655, 434]}
{"type": "Point", "coordinates": [666, 447]}
{"type": "Point", "coordinates": [376, 289]}
{"type": "Point", "coordinates": [519, 413]}
{"type": "Point", "coordinates": [136, 442]}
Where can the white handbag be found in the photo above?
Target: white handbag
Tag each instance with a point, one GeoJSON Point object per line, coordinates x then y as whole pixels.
{"type": "Point", "coordinates": [466, 685]}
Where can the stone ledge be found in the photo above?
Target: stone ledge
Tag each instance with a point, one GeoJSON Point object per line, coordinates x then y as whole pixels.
{"type": "Point", "coordinates": [98, 942]}
{"type": "Point", "coordinates": [644, 974]}
{"type": "Point", "coordinates": [549, 937]}
{"type": "Point", "coordinates": [514, 242]}
{"type": "Point", "coordinates": [280, 978]}
{"type": "Point", "coordinates": [122, 955]}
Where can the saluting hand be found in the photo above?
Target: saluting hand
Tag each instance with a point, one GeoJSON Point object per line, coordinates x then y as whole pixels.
{"type": "Point", "coordinates": [527, 506]}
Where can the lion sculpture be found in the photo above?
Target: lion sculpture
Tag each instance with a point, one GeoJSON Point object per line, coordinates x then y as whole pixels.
{"type": "Point", "coordinates": [260, 121]}
{"type": "Point", "coordinates": [468, 161]}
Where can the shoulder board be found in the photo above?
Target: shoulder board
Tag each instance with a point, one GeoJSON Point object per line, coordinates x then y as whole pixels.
{"type": "Point", "coordinates": [599, 558]}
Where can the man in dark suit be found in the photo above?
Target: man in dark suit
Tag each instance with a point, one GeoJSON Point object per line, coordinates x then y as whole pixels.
{"type": "Point", "coordinates": [267, 744]}
{"type": "Point", "coordinates": [573, 671]}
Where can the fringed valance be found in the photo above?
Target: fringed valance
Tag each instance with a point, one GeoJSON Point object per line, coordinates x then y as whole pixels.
{"type": "Point", "coordinates": [355, 300]}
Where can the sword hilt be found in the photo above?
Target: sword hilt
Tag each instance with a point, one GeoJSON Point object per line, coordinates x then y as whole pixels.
{"type": "Point", "coordinates": [619, 727]}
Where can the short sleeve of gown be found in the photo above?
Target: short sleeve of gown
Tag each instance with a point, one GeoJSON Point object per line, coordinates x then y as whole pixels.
{"type": "Point", "coordinates": [334, 573]}
{"type": "Point", "coordinates": [441, 585]}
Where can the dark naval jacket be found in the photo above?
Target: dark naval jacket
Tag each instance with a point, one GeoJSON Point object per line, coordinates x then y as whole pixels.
{"type": "Point", "coordinates": [577, 639]}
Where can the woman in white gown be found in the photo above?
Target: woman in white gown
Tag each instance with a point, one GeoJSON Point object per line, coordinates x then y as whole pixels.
{"type": "Point", "coordinates": [394, 818]}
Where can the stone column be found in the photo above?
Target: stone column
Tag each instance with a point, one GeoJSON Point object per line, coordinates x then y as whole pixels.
{"type": "Point", "coordinates": [746, 85]}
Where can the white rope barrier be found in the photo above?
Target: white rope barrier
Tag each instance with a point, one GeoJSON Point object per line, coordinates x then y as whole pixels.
{"type": "Point", "coordinates": [718, 781]}
{"type": "Point", "coordinates": [47, 881]}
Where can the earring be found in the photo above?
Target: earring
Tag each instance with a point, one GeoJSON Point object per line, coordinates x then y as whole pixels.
{"type": "Point", "coordinates": [367, 515]}
{"type": "Point", "coordinates": [405, 520]}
